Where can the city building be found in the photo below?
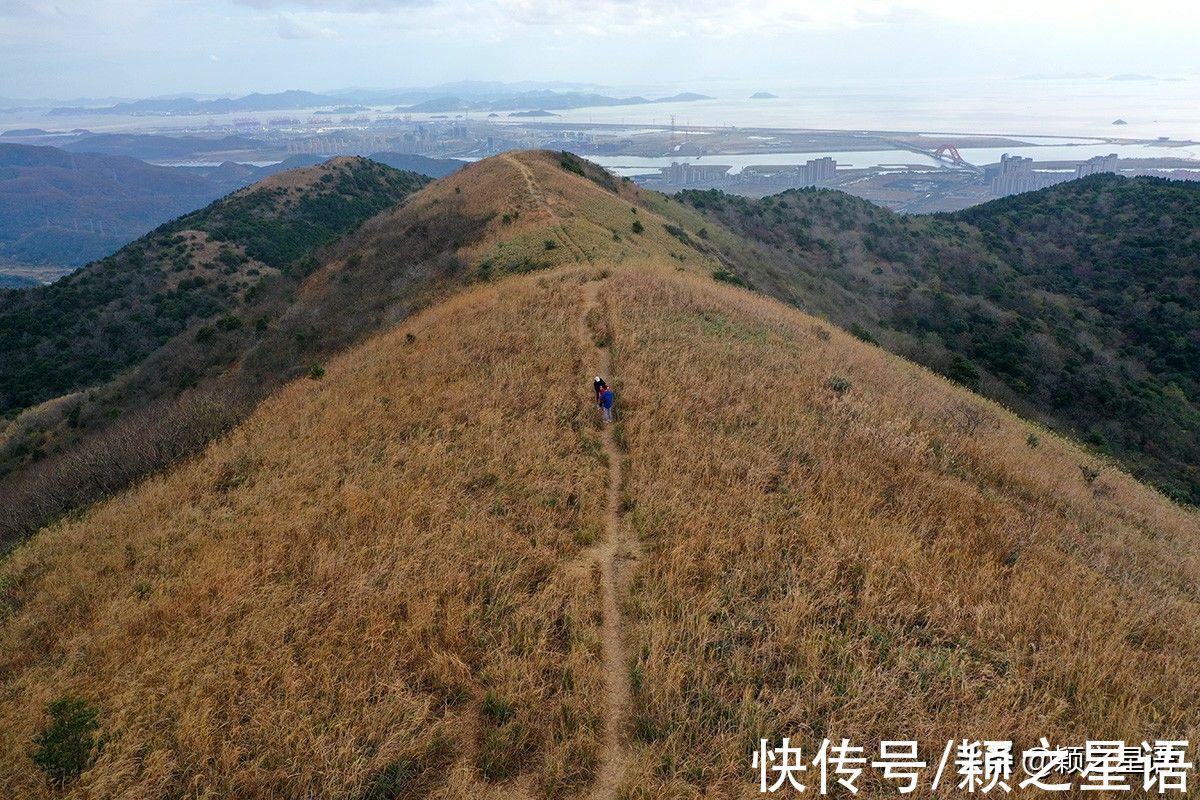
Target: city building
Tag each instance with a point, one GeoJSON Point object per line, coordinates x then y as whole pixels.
{"type": "Point", "coordinates": [1097, 165]}
{"type": "Point", "coordinates": [1015, 174]}
{"type": "Point", "coordinates": [820, 170]}
{"type": "Point", "coordinates": [688, 174]}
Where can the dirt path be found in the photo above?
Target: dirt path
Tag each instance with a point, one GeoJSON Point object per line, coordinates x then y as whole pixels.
{"type": "Point", "coordinates": [538, 199]}
{"type": "Point", "coordinates": [611, 556]}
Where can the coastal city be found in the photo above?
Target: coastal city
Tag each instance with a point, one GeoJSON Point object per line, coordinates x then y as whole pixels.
{"type": "Point", "coordinates": [915, 172]}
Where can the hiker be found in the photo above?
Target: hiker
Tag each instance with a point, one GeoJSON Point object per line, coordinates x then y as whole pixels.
{"type": "Point", "coordinates": [606, 402]}
{"type": "Point", "coordinates": [598, 386]}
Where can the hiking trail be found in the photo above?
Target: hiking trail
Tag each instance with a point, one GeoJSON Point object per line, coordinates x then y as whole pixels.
{"type": "Point", "coordinates": [537, 198]}
{"type": "Point", "coordinates": [611, 556]}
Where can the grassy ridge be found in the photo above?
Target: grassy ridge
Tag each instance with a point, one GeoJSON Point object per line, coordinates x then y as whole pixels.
{"type": "Point", "coordinates": [383, 584]}
{"type": "Point", "coordinates": [373, 585]}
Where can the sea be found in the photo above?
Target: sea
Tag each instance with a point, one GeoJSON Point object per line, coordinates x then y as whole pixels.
{"type": "Point", "coordinates": [1053, 118]}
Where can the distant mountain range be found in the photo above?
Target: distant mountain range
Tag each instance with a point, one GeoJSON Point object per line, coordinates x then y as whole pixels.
{"type": "Point", "coordinates": [278, 101]}
{"type": "Point", "coordinates": [540, 101]}
{"type": "Point", "coordinates": [452, 97]}
{"type": "Point", "coordinates": [67, 209]}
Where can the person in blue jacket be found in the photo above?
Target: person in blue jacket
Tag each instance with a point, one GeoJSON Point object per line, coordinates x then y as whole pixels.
{"type": "Point", "coordinates": [606, 403]}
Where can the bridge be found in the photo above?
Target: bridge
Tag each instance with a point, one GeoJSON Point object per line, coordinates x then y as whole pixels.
{"type": "Point", "coordinates": [946, 154]}
{"type": "Point", "coordinates": [949, 156]}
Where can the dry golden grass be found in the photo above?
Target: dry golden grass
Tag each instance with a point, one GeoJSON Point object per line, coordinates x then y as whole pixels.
{"type": "Point", "coordinates": [337, 587]}
{"type": "Point", "coordinates": [889, 560]}
{"type": "Point", "coordinates": [521, 200]}
{"type": "Point", "coordinates": [384, 573]}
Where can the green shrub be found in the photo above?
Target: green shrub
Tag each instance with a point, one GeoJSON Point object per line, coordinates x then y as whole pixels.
{"type": "Point", "coordinates": [637, 226]}
{"type": "Point", "coordinates": [725, 276]}
{"type": "Point", "coordinates": [392, 781]}
{"type": "Point", "coordinates": [316, 372]}
{"type": "Point", "coordinates": [678, 232]}
{"type": "Point", "coordinates": [496, 708]}
{"type": "Point", "coordinates": [859, 332]}
{"type": "Point", "coordinates": [67, 747]}
{"type": "Point", "coordinates": [571, 163]}
{"type": "Point", "coordinates": [229, 322]}
{"type": "Point", "coordinates": [963, 371]}
{"type": "Point", "coordinates": [839, 384]}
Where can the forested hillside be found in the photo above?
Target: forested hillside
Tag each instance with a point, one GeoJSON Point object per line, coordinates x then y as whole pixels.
{"type": "Point", "coordinates": [136, 360]}
{"type": "Point", "coordinates": [88, 326]}
{"type": "Point", "coordinates": [66, 209]}
{"type": "Point", "coordinates": [1078, 305]}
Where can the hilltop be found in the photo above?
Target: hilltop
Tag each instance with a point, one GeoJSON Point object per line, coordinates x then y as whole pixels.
{"type": "Point", "coordinates": [1077, 305]}
{"type": "Point", "coordinates": [179, 335]}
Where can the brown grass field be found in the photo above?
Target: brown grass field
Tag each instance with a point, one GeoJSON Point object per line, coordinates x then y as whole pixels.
{"type": "Point", "coordinates": [384, 583]}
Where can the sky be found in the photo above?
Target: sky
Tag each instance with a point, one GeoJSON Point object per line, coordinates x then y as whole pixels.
{"type": "Point", "coordinates": [67, 49]}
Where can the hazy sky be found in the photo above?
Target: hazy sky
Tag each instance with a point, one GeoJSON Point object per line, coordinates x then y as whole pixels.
{"type": "Point", "coordinates": [70, 48]}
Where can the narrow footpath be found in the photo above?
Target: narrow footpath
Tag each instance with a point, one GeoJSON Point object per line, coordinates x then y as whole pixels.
{"type": "Point", "coordinates": [612, 556]}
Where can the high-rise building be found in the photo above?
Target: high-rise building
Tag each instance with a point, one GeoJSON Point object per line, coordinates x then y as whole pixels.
{"type": "Point", "coordinates": [1096, 165]}
{"type": "Point", "coordinates": [1015, 175]}
{"type": "Point", "coordinates": [687, 174]}
{"type": "Point", "coordinates": [821, 170]}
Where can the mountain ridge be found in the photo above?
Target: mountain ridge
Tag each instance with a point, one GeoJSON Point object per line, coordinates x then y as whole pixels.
{"type": "Point", "coordinates": [384, 578]}
{"type": "Point", "coordinates": [492, 219]}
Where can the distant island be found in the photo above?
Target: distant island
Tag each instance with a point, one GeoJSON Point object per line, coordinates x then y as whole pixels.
{"type": "Point", "coordinates": [682, 97]}
{"type": "Point", "coordinates": [764, 96]}
{"type": "Point", "coordinates": [1058, 76]}
{"type": "Point", "coordinates": [541, 112]}
{"type": "Point", "coordinates": [1119, 121]}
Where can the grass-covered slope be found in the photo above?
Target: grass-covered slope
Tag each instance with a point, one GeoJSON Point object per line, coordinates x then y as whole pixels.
{"type": "Point", "coordinates": [362, 592]}
{"type": "Point", "coordinates": [840, 544]}
{"type": "Point", "coordinates": [381, 584]}
{"type": "Point", "coordinates": [1076, 305]}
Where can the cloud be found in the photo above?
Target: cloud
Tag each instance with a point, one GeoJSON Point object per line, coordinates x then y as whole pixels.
{"type": "Point", "coordinates": [338, 6]}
